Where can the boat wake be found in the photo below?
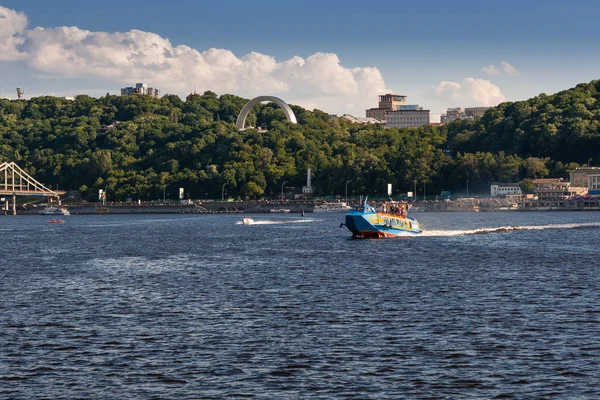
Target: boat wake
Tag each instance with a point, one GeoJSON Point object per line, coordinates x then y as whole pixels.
{"type": "Point", "coordinates": [277, 221]}
{"type": "Point", "coordinates": [484, 231]}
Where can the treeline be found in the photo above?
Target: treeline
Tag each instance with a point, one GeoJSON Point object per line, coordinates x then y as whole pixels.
{"type": "Point", "coordinates": [138, 146]}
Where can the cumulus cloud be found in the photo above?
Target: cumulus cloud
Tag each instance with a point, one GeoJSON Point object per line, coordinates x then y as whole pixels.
{"type": "Point", "coordinates": [470, 92]}
{"type": "Point", "coordinates": [319, 81]}
{"type": "Point", "coordinates": [503, 68]}
{"type": "Point", "coordinates": [12, 26]}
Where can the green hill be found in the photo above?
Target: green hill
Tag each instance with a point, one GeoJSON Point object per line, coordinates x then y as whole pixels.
{"type": "Point", "coordinates": [138, 146]}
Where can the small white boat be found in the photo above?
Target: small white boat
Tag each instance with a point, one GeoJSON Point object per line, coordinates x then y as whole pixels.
{"type": "Point", "coordinates": [55, 211]}
{"type": "Point", "coordinates": [247, 221]}
{"type": "Point", "coordinates": [332, 207]}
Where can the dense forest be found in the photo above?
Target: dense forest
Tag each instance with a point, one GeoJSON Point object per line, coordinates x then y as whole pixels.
{"type": "Point", "coordinates": [139, 147]}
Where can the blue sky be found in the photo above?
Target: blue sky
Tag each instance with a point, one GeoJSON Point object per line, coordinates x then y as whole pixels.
{"type": "Point", "coordinates": [525, 47]}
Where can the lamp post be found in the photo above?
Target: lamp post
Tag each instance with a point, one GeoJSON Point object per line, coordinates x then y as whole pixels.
{"type": "Point", "coordinates": [283, 183]}
{"type": "Point", "coordinates": [347, 182]}
{"type": "Point", "coordinates": [415, 195]}
{"type": "Point", "coordinates": [589, 161]}
{"type": "Point", "coordinates": [467, 188]}
{"type": "Point", "coordinates": [164, 196]}
{"type": "Point", "coordinates": [223, 191]}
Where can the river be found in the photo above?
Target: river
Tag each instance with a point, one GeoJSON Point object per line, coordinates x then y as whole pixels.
{"type": "Point", "coordinates": [481, 306]}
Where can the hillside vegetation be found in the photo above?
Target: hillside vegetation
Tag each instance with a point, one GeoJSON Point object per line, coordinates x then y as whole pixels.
{"type": "Point", "coordinates": [138, 146]}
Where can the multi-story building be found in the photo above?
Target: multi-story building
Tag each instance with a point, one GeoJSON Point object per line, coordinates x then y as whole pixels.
{"type": "Point", "coordinates": [387, 102]}
{"type": "Point", "coordinates": [475, 112]}
{"type": "Point", "coordinates": [140, 88]}
{"type": "Point", "coordinates": [407, 116]}
{"type": "Point", "coordinates": [504, 189]}
{"type": "Point", "coordinates": [594, 184]}
{"type": "Point", "coordinates": [555, 189]}
{"type": "Point", "coordinates": [453, 114]}
{"type": "Point", "coordinates": [579, 176]}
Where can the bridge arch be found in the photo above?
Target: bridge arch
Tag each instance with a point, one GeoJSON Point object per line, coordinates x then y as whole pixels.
{"type": "Point", "coordinates": [241, 119]}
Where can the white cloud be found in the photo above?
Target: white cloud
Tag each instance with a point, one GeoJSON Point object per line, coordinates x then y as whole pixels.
{"type": "Point", "coordinates": [491, 70]}
{"type": "Point", "coordinates": [503, 68]}
{"type": "Point", "coordinates": [12, 26]}
{"type": "Point", "coordinates": [470, 92]}
{"type": "Point", "coordinates": [318, 81]}
{"type": "Point", "coordinates": [508, 69]}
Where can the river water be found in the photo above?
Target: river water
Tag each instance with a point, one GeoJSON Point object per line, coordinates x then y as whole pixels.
{"type": "Point", "coordinates": [482, 305]}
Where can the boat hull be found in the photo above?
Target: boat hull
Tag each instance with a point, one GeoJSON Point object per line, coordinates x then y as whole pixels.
{"type": "Point", "coordinates": [380, 225]}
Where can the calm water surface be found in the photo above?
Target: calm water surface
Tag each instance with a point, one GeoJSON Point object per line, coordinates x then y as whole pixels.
{"type": "Point", "coordinates": [483, 305]}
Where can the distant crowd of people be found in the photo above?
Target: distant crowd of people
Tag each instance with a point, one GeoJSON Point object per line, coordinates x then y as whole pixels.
{"type": "Point", "coordinates": [400, 209]}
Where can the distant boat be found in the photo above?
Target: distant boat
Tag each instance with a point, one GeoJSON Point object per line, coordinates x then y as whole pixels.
{"type": "Point", "coordinates": [302, 213]}
{"type": "Point", "coordinates": [55, 211]}
{"type": "Point", "coordinates": [332, 207]}
{"type": "Point", "coordinates": [366, 222]}
{"type": "Point", "coordinates": [279, 210]}
{"type": "Point", "coordinates": [247, 221]}
{"type": "Point", "coordinates": [56, 221]}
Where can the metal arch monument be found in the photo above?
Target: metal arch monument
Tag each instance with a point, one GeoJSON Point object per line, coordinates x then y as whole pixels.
{"type": "Point", "coordinates": [289, 114]}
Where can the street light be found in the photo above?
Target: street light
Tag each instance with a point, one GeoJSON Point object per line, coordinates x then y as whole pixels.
{"type": "Point", "coordinates": [284, 182]}
{"type": "Point", "coordinates": [589, 161]}
{"type": "Point", "coordinates": [415, 198]}
{"type": "Point", "coordinates": [347, 182]}
{"type": "Point", "coordinates": [223, 192]}
{"type": "Point", "coordinates": [467, 188]}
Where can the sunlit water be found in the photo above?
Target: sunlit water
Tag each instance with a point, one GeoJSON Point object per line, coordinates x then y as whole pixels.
{"type": "Point", "coordinates": [482, 305]}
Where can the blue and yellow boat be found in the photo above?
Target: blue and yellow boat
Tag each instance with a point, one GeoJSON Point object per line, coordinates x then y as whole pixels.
{"type": "Point", "coordinates": [366, 222]}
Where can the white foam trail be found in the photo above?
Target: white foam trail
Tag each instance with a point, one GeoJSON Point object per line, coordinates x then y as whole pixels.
{"type": "Point", "coordinates": [277, 221]}
{"type": "Point", "coordinates": [508, 229]}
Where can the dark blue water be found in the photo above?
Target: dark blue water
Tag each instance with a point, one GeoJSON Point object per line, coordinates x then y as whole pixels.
{"type": "Point", "coordinates": [204, 307]}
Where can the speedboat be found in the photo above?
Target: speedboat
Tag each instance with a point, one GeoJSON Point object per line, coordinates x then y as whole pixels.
{"type": "Point", "coordinates": [364, 221]}
{"type": "Point", "coordinates": [247, 221]}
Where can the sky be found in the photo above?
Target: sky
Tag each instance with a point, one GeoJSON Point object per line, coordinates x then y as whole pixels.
{"type": "Point", "coordinates": [337, 56]}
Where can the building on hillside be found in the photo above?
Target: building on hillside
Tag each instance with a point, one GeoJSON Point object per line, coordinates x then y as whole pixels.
{"type": "Point", "coordinates": [594, 184]}
{"type": "Point", "coordinates": [407, 116]}
{"type": "Point", "coordinates": [579, 176]}
{"type": "Point", "coordinates": [555, 189]}
{"type": "Point", "coordinates": [455, 113]}
{"type": "Point", "coordinates": [140, 88]}
{"type": "Point", "coordinates": [505, 189]}
{"type": "Point", "coordinates": [451, 115]}
{"type": "Point", "coordinates": [387, 102]}
{"type": "Point", "coordinates": [360, 120]}
{"type": "Point", "coordinates": [475, 112]}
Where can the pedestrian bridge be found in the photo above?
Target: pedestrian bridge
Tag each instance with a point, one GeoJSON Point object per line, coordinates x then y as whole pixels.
{"type": "Point", "coordinates": [16, 182]}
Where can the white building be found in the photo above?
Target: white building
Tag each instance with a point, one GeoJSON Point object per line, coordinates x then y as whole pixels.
{"type": "Point", "coordinates": [505, 189]}
{"type": "Point", "coordinates": [455, 113]}
{"type": "Point", "coordinates": [140, 88]}
{"type": "Point", "coordinates": [360, 120]}
{"type": "Point", "coordinates": [407, 116]}
{"type": "Point", "coordinates": [594, 184]}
